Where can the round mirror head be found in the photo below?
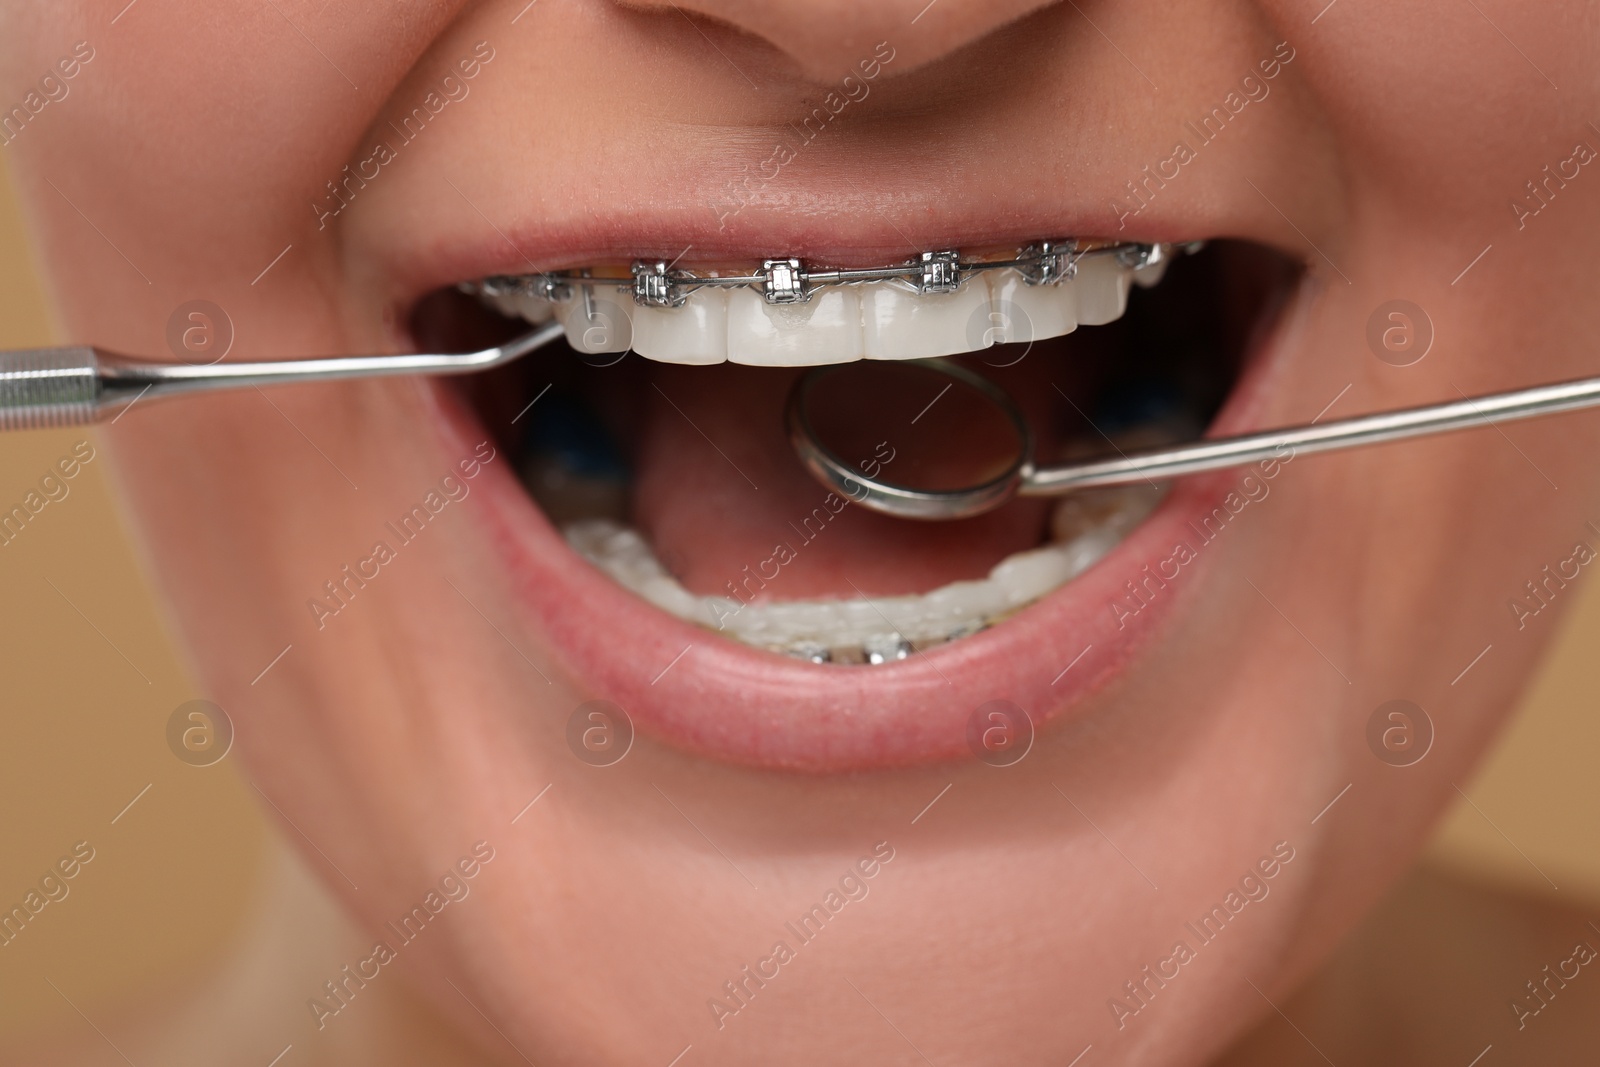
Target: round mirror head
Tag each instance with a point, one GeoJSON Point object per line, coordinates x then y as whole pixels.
{"type": "Point", "coordinates": [920, 439]}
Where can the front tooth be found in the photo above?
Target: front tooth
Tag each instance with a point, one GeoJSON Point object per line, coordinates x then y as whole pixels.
{"type": "Point", "coordinates": [1149, 277]}
{"type": "Point", "coordinates": [695, 333]}
{"type": "Point", "coordinates": [533, 308]}
{"type": "Point", "coordinates": [900, 324]}
{"type": "Point", "coordinates": [1102, 285]}
{"type": "Point", "coordinates": [597, 321]}
{"type": "Point", "coordinates": [515, 304]}
{"type": "Point", "coordinates": [1023, 312]}
{"type": "Point", "coordinates": [824, 329]}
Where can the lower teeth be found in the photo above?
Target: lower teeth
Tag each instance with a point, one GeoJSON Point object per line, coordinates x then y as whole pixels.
{"type": "Point", "coordinates": [1084, 527]}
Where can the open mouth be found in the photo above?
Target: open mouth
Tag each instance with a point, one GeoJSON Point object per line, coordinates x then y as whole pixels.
{"type": "Point", "coordinates": [676, 483]}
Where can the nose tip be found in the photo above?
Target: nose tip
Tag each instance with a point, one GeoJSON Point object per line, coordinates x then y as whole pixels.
{"type": "Point", "coordinates": [826, 39]}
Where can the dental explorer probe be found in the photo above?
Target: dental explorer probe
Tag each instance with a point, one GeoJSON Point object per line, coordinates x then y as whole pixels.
{"type": "Point", "coordinates": [77, 385]}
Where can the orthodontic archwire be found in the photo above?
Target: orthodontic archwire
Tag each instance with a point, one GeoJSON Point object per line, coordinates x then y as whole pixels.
{"type": "Point", "coordinates": [655, 283]}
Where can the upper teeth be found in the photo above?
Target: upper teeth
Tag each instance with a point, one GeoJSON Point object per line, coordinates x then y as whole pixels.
{"type": "Point", "coordinates": [783, 316]}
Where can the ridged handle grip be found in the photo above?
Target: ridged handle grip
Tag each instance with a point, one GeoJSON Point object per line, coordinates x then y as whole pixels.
{"type": "Point", "coordinates": [45, 387]}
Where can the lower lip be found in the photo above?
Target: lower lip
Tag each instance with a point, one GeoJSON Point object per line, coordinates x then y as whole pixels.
{"type": "Point", "coordinates": [698, 691]}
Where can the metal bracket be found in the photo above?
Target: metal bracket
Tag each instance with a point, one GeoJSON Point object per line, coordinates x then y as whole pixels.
{"type": "Point", "coordinates": [941, 272]}
{"type": "Point", "coordinates": [785, 282]}
{"type": "Point", "coordinates": [653, 286]}
{"type": "Point", "coordinates": [1052, 262]}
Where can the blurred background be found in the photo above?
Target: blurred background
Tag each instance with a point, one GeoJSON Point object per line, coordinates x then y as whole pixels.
{"type": "Point", "coordinates": [90, 681]}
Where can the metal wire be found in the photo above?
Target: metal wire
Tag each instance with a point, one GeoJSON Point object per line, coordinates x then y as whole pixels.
{"type": "Point", "coordinates": [792, 281]}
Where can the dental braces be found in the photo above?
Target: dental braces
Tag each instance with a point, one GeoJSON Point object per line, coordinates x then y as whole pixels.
{"type": "Point", "coordinates": [791, 281]}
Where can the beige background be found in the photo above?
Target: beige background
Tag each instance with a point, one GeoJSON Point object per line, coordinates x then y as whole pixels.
{"type": "Point", "coordinates": [90, 679]}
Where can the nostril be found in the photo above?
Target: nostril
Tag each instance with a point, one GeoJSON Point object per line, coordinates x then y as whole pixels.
{"type": "Point", "coordinates": [828, 40]}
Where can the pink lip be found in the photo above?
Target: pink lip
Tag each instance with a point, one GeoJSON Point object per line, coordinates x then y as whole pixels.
{"type": "Point", "coordinates": [696, 690]}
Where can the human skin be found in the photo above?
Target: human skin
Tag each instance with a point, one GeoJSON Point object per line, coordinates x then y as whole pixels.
{"type": "Point", "coordinates": [426, 715]}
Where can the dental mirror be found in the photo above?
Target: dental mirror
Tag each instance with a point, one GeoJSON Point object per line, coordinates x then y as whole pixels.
{"type": "Point", "coordinates": [926, 439]}
{"type": "Point", "coordinates": [913, 438]}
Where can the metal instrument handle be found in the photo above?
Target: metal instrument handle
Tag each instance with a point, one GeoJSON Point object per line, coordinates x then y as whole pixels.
{"type": "Point", "coordinates": [74, 386]}
{"type": "Point", "coordinates": [47, 387]}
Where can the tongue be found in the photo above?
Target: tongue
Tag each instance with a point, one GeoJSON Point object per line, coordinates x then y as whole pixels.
{"type": "Point", "coordinates": [723, 499]}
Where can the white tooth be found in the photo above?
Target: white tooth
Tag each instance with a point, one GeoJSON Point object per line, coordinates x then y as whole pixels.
{"type": "Point", "coordinates": [900, 324]}
{"type": "Point", "coordinates": [950, 606]}
{"type": "Point", "coordinates": [1087, 512]}
{"type": "Point", "coordinates": [1022, 312]}
{"type": "Point", "coordinates": [1148, 277]}
{"type": "Point", "coordinates": [668, 594]}
{"type": "Point", "coordinates": [695, 333]}
{"type": "Point", "coordinates": [824, 329]}
{"type": "Point", "coordinates": [1102, 285]}
{"type": "Point", "coordinates": [535, 309]}
{"type": "Point", "coordinates": [501, 302]}
{"type": "Point", "coordinates": [602, 321]}
{"type": "Point", "coordinates": [512, 306]}
{"type": "Point", "coordinates": [617, 549]}
{"type": "Point", "coordinates": [1022, 574]}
